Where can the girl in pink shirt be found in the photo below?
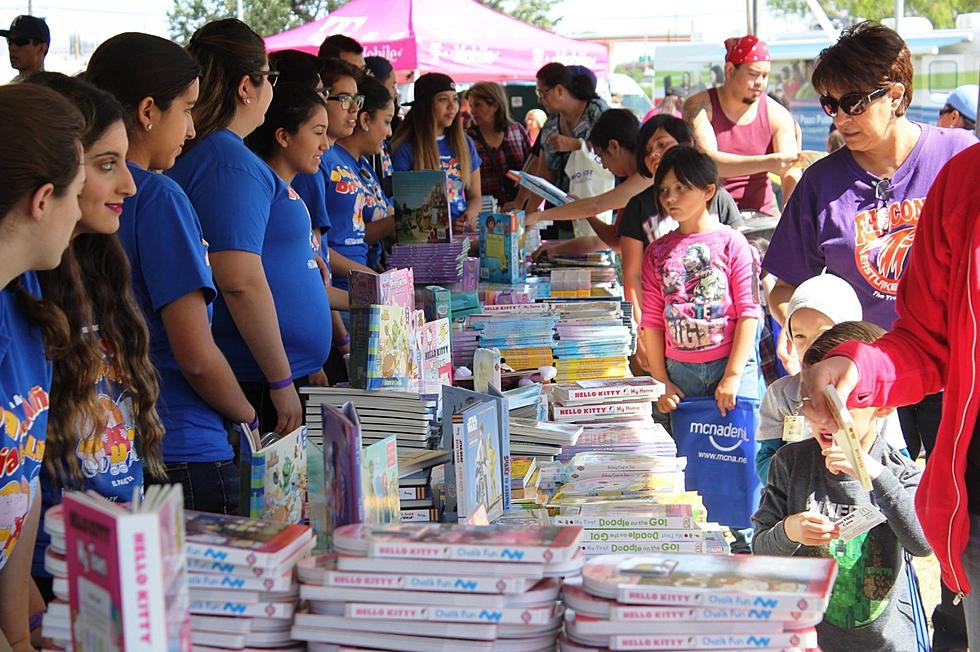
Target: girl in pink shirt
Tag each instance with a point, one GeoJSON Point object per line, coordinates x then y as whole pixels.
{"type": "Point", "coordinates": [701, 301]}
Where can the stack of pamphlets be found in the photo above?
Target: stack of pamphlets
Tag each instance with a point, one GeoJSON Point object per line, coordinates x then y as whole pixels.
{"type": "Point", "coordinates": [635, 436]}
{"type": "Point", "coordinates": [527, 402]}
{"type": "Point", "coordinates": [432, 264]}
{"type": "Point", "coordinates": [411, 417]}
{"type": "Point", "coordinates": [439, 587]}
{"type": "Point", "coordinates": [242, 589]}
{"type": "Point", "coordinates": [592, 341]}
{"type": "Point", "coordinates": [465, 341]}
{"type": "Point", "coordinates": [525, 341]}
{"type": "Point", "coordinates": [127, 572]}
{"type": "Point", "coordinates": [696, 602]}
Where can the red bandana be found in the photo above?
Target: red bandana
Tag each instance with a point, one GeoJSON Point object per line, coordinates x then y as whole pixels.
{"type": "Point", "coordinates": [747, 49]}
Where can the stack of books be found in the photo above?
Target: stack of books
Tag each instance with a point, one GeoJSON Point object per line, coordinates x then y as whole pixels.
{"type": "Point", "coordinates": [447, 586]}
{"type": "Point", "coordinates": [56, 626]}
{"type": "Point", "coordinates": [242, 588]}
{"type": "Point", "coordinates": [432, 264]}
{"type": "Point", "coordinates": [465, 342]}
{"type": "Point", "coordinates": [527, 402]}
{"type": "Point", "coordinates": [593, 341]}
{"type": "Point", "coordinates": [525, 341]}
{"type": "Point", "coordinates": [696, 602]}
{"type": "Point", "coordinates": [605, 400]}
{"type": "Point", "coordinates": [415, 495]}
{"type": "Point", "coordinates": [411, 417]}
{"type": "Point", "coordinates": [635, 436]}
{"type": "Point", "coordinates": [541, 439]}
{"type": "Point", "coordinates": [524, 482]}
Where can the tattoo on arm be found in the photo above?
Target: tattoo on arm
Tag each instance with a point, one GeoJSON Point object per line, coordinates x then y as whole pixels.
{"type": "Point", "coordinates": [693, 107]}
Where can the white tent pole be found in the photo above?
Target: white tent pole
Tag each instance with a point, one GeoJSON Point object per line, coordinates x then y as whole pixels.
{"type": "Point", "coordinates": [241, 10]}
{"type": "Point", "coordinates": [825, 24]}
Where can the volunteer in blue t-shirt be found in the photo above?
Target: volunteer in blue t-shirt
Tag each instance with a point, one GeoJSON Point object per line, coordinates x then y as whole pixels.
{"type": "Point", "coordinates": [431, 137]}
{"type": "Point", "coordinates": [156, 82]}
{"type": "Point", "coordinates": [263, 320]}
{"type": "Point", "coordinates": [40, 164]}
{"type": "Point", "coordinates": [336, 207]}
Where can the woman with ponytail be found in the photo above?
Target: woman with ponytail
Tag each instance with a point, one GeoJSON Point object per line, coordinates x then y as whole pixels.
{"type": "Point", "coordinates": [156, 82]}
{"type": "Point", "coordinates": [42, 172]}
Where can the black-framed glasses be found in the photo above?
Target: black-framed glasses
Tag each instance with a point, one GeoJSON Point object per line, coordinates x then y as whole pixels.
{"type": "Point", "coordinates": [273, 75]}
{"type": "Point", "coordinates": [19, 41]}
{"type": "Point", "coordinates": [345, 100]}
{"type": "Point", "coordinates": [850, 103]}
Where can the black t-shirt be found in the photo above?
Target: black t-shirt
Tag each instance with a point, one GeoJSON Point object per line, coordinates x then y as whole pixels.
{"type": "Point", "coordinates": [641, 215]}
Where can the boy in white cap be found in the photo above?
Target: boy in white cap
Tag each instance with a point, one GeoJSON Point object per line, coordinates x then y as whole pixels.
{"type": "Point", "coordinates": [817, 304]}
{"type": "Point", "coordinates": [960, 110]}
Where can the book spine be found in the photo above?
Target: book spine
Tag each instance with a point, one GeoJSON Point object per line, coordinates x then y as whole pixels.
{"type": "Point", "coordinates": [626, 613]}
{"type": "Point", "coordinates": [573, 412]}
{"type": "Point", "coordinates": [459, 454]}
{"type": "Point", "coordinates": [669, 596]}
{"type": "Point", "coordinates": [419, 515]}
{"type": "Point", "coordinates": [585, 395]}
{"type": "Point", "coordinates": [712, 641]}
{"type": "Point", "coordinates": [607, 548]}
{"type": "Point", "coordinates": [442, 583]}
{"type": "Point", "coordinates": [140, 563]}
{"type": "Point", "coordinates": [449, 614]}
{"type": "Point", "coordinates": [471, 552]}
{"type": "Point", "coordinates": [662, 517]}
{"type": "Point", "coordinates": [229, 555]}
{"type": "Point", "coordinates": [277, 610]}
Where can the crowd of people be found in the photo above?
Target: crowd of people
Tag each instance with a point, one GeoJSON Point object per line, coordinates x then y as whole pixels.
{"type": "Point", "coordinates": [179, 224]}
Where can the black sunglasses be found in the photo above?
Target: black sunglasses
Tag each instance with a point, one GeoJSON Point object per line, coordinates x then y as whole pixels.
{"type": "Point", "coordinates": [850, 103]}
{"type": "Point", "coordinates": [19, 41]}
{"type": "Point", "coordinates": [273, 75]}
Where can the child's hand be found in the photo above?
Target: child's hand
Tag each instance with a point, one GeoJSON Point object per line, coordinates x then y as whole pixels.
{"type": "Point", "coordinates": [837, 462]}
{"type": "Point", "coordinates": [670, 399]}
{"type": "Point", "coordinates": [809, 529]}
{"type": "Point", "coordinates": [726, 392]}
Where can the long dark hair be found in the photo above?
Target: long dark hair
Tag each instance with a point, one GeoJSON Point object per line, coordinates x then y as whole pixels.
{"type": "Point", "coordinates": [292, 105]}
{"type": "Point", "coordinates": [40, 132]}
{"type": "Point", "coordinates": [92, 287]}
{"type": "Point", "coordinates": [226, 50]}
{"type": "Point", "coordinates": [133, 66]}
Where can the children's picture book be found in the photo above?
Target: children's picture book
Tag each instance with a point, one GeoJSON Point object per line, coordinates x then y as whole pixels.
{"type": "Point", "coordinates": [379, 482]}
{"type": "Point", "coordinates": [396, 287]}
{"type": "Point", "coordinates": [437, 359]}
{"type": "Point", "coordinates": [486, 369]}
{"type": "Point", "coordinates": [502, 247]}
{"type": "Point", "coordinates": [274, 475]}
{"type": "Point", "coordinates": [421, 206]}
{"type": "Point", "coordinates": [126, 572]}
{"type": "Point", "coordinates": [380, 348]}
{"type": "Point", "coordinates": [338, 501]}
{"type": "Point", "coordinates": [240, 540]}
{"type": "Point", "coordinates": [541, 187]}
{"type": "Point", "coordinates": [476, 454]}
{"type": "Point", "coordinates": [436, 302]}
{"type": "Point", "coordinates": [503, 443]}
{"type": "Point", "coordinates": [416, 324]}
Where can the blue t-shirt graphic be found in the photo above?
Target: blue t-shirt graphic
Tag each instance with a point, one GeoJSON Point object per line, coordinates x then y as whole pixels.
{"type": "Point", "coordinates": [244, 206]}
{"type": "Point", "coordinates": [169, 258]}
{"type": "Point", "coordinates": [404, 159]}
{"type": "Point", "coordinates": [25, 380]}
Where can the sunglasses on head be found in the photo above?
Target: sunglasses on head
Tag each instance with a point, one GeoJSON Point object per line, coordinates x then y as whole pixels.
{"type": "Point", "coordinates": [273, 75]}
{"type": "Point", "coordinates": [850, 103]}
{"type": "Point", "coordinates": [346, 100]}
{"type": "Point", "coordinates": [19, 41]}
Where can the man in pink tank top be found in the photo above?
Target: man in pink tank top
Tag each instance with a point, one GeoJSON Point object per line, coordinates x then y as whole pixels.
{"type": "Point", "coordinates": [747, 133]}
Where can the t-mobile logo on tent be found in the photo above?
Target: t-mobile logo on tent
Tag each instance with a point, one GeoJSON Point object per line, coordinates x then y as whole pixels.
{"type": "Point", "coordinates": [461, 53]}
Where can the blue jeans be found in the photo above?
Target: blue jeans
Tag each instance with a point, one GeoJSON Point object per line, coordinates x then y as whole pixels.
{"type": "Point", "coordinates": [702, 378]}
{"type": "Point", "coordinates": [208, 486]}
{"type": "Point", "coordinates": [971, 603]}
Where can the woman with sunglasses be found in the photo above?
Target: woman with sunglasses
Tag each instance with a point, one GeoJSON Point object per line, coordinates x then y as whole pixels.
{"type": "Point", "coordinates": [856, 211]}
{"type": "Point", "coordinates": [431, 137]}
{"type": "Point", "coordinates": [260, 318]}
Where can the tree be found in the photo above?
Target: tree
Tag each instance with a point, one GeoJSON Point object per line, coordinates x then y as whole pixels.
{"type": "Point", "coordinates": [941, 14]}
{"type": "Point", "coordinates": [533, 12]}
{"type": "Point", "coordinates": [265, 16]}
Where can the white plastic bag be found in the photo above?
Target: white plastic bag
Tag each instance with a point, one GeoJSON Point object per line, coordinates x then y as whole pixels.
{"type": "Point", "coordinates": [587, 178]}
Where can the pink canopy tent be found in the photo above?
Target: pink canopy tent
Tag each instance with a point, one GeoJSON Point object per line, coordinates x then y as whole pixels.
{"type": "Point", "coordinates": [463, 39]}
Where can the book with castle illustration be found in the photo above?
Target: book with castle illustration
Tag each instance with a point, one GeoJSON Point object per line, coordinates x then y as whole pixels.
{"type": "Point", "coordinates": [379, 482]}
{"type": "Point", "coordinates": [273, 472]}
{"type": "Point", "coordinates": [379, 348]}
{"type": "Point", "coordinates": [421, 206]}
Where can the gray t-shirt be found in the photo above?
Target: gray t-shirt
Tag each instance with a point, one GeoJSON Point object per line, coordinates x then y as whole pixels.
{"type": "Point", "coordinates": [641, 218]}
{"type": "Point", "coordinates": [870, 607]}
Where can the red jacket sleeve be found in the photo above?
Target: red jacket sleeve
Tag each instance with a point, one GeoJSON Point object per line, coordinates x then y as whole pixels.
{"type": "Point", "coordinates": [910, 362]}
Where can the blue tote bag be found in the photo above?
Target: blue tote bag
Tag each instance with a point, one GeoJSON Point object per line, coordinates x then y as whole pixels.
{"type": "Point", "coordinates": [720, 452]}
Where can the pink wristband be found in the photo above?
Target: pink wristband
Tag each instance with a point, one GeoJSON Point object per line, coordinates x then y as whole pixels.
{"type": "Point", "coordinates": [281, 384]}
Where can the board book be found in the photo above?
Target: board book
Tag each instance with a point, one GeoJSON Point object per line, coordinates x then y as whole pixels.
{"type": "Point", "coordinates": [273, 474]}
{"type": "Point", "coordinates": [379, 482]}
{"type": "Point", "coordinates": [380, 348]}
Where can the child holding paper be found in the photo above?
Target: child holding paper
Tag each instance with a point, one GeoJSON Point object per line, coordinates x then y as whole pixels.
{"type": "Point", "coordinates": [811, 486]}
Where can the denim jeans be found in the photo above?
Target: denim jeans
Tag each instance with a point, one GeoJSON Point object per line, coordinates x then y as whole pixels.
{"type": "Point", "coordinates": [971, 604]}
{"type": "Point", "coordinates": [208, 486]}
{"type": "Point", "coordinates": [702, 378]}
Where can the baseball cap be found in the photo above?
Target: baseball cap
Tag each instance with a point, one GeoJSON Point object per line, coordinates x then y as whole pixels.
{"type": "Point", "coordinates": [964, 100]}
{"type": "Point", "coordinates": [829, 294]}
{"type": "Point", "coordinates": [28, 27]}
{"type": "Point", "coordinates": [431, 84]}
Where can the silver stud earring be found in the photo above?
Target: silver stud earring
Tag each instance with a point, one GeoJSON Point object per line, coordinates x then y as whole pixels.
{"type": "Point", "coordinates": [364, 127]}
{"type": "Point", "coordinates": [248, 100]}
{"type": "Point", "coordinates": [149, 127]}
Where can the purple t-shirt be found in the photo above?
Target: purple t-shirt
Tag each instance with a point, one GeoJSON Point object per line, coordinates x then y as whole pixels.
{"type": "Point", "coordinates": [834, 219]}
{"type": "Point", "coordinates": [696, 287]}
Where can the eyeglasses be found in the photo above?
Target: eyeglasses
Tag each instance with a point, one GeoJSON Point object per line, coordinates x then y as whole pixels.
{"type": "Point", "coordinates": [19, 41]}
{"type": "Point", "coordinates": [946, 109]}
{"type": "Point", "coordinates": [346, 100]}
{"type": "Point", "coordinates": [542, 93]}
{"type": "Point", "coordinates": [850, 103]}
{"type": "Point", "coordinates": [273, 75]}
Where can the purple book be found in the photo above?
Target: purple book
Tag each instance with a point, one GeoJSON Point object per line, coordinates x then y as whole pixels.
{"type": "Point", "coordinates": [342, 466]}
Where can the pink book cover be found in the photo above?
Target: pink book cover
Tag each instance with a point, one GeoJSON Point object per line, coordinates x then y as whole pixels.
{"type": "Point", "coordinates": [95, 591]}
{"type": "Point", "coordinates": [396, 287]}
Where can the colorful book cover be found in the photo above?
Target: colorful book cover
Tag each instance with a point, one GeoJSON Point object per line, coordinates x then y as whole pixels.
{"type": "Point", "coordinates": [396, 287]}
{"type": "Point", "coordinates": [477, 456]}
{"type": "Point", "coordinates": [416, 325]}
{"type": "Point", "coordinates": [273, 476]}
{"type": "Point", "coordinates": [421, 206]}
{"type": "Point", "coordinates": [486, 369]}
{"type": "Point", "coordinates": [437, 359]}
{"type": "Point", "coordinates": [380, 348]}
{"type": "Point", "coordinates": [339, 500]}
{"type": "Point", "coordinates": [436, 302]}
{"type": "Point", "coordinates": [241, 540]}
{"type": "Point", "coordinates": [379, 482]}
{"type": "Point", "coordinates": [607, 411]}
{"type": "Point", "coordinates": [598, 391]}
{"type": "Point", "coordinates": [502, 247]}
{"type": "Point", "coordinates": [503, 443]}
